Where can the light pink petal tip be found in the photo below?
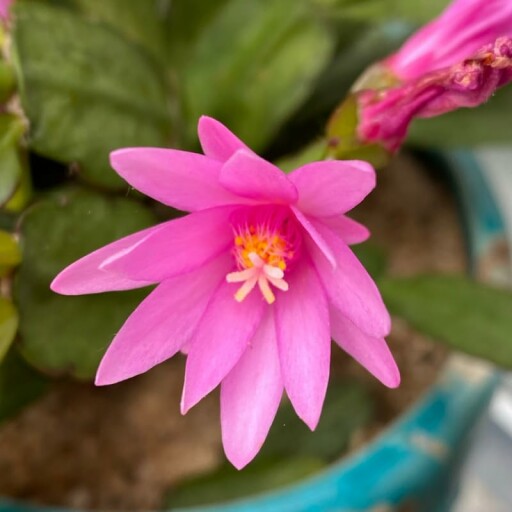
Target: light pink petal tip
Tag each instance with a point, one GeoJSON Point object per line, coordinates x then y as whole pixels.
{"type": "Point", "coordinates": [370, 352]}
{"type": "Point", "coordinates": [162, 323]}
{"type": "Point", "coordinates": [86, 275]}
{"type": "Point", "coordinates": [332, 187]}
{"type": "Point", "coordinates": [250, 396]}
{"type": "Point", "coordinates": [349, 230]}
{"type": "Point", "coordinates": [217, 141]}
{"type": "Point", "coordinates": [180, 246]}
{"type": "Point", "coordinates": [183, 180]}
{"type": "Point", "coordinates": [304, 343]}
{"type": "Point", "coordinates": [349, 286]}
{"type": "Point", "coordinates": [252, 177]}
{"type": "Point", "coordinates": [222, 336]}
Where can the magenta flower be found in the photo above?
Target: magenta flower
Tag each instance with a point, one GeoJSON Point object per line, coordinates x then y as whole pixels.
{"type": "Point", "coordinates": [4, 9]}
{"type": "Point", "coordinates": [458, 33]}
{"type": "Point", "coordinates": [252, 284]}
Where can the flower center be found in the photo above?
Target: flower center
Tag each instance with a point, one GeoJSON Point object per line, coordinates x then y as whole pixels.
{"type": "Point", "coordinates": [261, 254]}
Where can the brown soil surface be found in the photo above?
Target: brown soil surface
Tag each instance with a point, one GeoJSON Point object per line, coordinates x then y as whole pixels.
{"type": "Point", "coordinates": [122, 447]}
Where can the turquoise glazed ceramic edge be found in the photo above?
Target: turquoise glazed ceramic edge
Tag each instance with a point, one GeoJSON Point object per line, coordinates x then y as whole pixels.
{"type": "Point", "coordinates": [410, 466]}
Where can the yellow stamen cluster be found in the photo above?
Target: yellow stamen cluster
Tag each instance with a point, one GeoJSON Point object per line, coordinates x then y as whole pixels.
{"type": "Point", "coordinates": [270, 247]}
{"type": "Point", "coordinates": [261, 255]}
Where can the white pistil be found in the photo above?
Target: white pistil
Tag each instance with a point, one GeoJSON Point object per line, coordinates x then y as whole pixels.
{"type": "Point", "coordinates": [262, 274]}
{"type": "Point", "coordinates": [273, 272]}
{"type": "Point", "coordinates": [246, 288]}
{"type": "Point", "coordinates": [265, 288]}
{"type": "Point", "coordinates": [239, 277]}
{"type": "Point", "coordinates": [281, 284]}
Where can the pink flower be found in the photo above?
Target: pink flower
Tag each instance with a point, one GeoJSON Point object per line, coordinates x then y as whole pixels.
{"type": "Point", "coordinates": [458, 60]}
{"type": "Point", "coordinates": [385, 114]}
{"type": "Point", "coordinates": [252, 283]}
{"type": "Point", "coordinates": [459, 32]}
{"type": "Point", "coordinates": [4, 8]}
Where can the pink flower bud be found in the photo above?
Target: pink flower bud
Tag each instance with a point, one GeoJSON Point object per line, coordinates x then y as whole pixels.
{"type": "Point", "coordinates": [385, 114]}
{"type": "Point", "coordinates": [463, 28]}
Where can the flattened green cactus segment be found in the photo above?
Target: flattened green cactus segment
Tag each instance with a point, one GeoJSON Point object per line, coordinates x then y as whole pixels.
{"type": "Point", "coordinates": [68, 335]}
{"type": "Point", "coordinates": [253, 74]}
{"type": "Point", "coordinates": [11, 131]}
{"type": "Point", "coordinates": [463, 314]}
{"type": "Point", "coordinates": [10, 254]}
{"type": "Point", "coordinates": [86, 89]}
{"type": "Point", "coordinates": [290, 437]}
{"type": "Point", "coordinates": [8, 326]}
{"type": "Point", "coordinates": [228, 483]}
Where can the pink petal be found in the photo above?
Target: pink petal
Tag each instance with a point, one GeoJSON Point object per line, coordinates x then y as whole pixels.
{"type": "Point", "coordinates": [250, 396]}
{"type": "Point", "coordinates": [184, 180]}
{"type": "Point", "coordinates": [180, 246]}
{"type": "Point", "coordinates": [248, 175]}
{"type": "Point", "coordinates": [304, 343]}
{"type": "Point", "coordinates": [221, 338]}
{"type": "Point", "coordinates": [461, 29]}
{"type": "Point", "coordinates": [372, 353]}
{"type": "Point", "coordinates": [86, 275]}
{"type": "Point", "coordinates": [4, 9]}
{"type": "Point", "coordinates": [217, 141]}
{"type": "Point", "coordinates": [349, 230]}
{"type": "Point", "coordinates": [333, 186]}
{"type": "Point", "coordinates": [349, 286]}
{"type": "Point", "coordinates": [315, 235]}
{"type": "Point", "coordinates": [162, 323]}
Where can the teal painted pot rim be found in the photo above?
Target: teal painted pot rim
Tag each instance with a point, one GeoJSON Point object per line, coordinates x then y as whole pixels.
{"type": "Point", "coordinates": [410, 461]}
